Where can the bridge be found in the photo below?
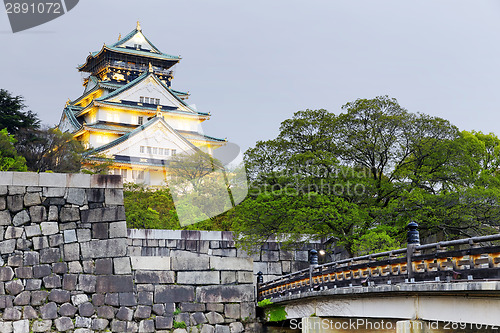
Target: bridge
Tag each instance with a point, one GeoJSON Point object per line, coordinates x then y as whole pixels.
{"type": "Point", "coordinates": [451, 286]}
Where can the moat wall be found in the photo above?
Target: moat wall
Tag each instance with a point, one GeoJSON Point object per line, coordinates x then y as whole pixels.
{"type": "Point", "coordinates": [68, 263]}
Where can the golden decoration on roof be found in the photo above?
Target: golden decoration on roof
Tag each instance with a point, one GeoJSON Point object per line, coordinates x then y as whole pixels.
{"type": "Point", "coordinates": [138, 26]}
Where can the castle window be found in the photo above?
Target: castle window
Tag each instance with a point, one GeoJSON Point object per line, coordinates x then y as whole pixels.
{"type": "Point", "coordinates": [141, 99]}
{"type": "Point", "coordinates": [149, 150]}
{"type": "Point", "coordinates": [124, 173]}
{"type": "Point", "coordinates": [157, 101]}
{"type": "Point", "coordinates": [146, 100]}
{"type": "Point", "coordinates": [174, 152]}
{"type": "Point", "coordinates": [140, 120]}
{"type": "Point", "coordinates": [142, 149]}
{"type": "Point", "coordinates": [167, 152]}
{"type": "Point", "coordinates": [155, 150]}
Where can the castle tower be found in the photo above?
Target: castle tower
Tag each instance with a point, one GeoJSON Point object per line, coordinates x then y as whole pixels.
{"type": "Point", "coordinates": [128, 111]}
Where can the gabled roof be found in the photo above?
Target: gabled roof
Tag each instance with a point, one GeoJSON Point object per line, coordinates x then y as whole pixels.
{"type": "Point", "coordinates": [138, 37]}
{"type": "Point", "coordinates": [190, 135]}
{"type": "Point", "coordinates": [137, 131]}
{"type": "Point", "coordinates": [139, 79]}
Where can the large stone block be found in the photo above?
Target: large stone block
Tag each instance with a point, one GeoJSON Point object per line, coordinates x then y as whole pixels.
{"type": "Point", "coordinates": [69, 214]}
{"type": "Point", "coordinates": [111, 214]}
{"type": "Point", "coordinates": [229, 264]}
{"type": "Point", "coordinates": [78, 180]}
{"type": "Point", "coordinates": [6, 273]}
{"type": "Point", "coordinates": [6, 179]}
{"type": "Point", "coordinates": [7, 246]}
{"type": "Point", "coordinates": [64, 324]}
{"type": "Point", "coordinates": [32, 199]}
{"type": "Point", "coordinates": [190, 263]}
{"type": "Point", "coordinates": [114, 284]}
{"type": "Point", "coordinates": [49, 311]}
{"type": "Point", "coordinates": [150, 263]}
{"type": "Point", "coordinates": [38, 214]}
{"type": "Point", "coordinates": [173, 293]}
{"type": "Point", "coordinates": [232, 311]}
{"type": "Point", "coordinates": [53, 192]}
{"type": "Point", "coordinates": [118, 229]}
{"type": "Point", "coordinates": [15, 203]}
{"type": "Point", "coordinates": [41, 325]}
{"type": "Point", "coordinates": [5, 218]}
{"type": "Point", "coordinates": [33, 230]}
{"type": "Point", "coordinates": [71, 252]}
{"type": "Point", "coordinates": [13, 232]}
{"type": "Point", "coordinates": [198, 278]}
{"type": "Point", "coordinates": [87, 283]}
{"type": "Point", "coordinates": [122, 266]}
{"type": "Point", "coordinates": [50, 255]}
{"type": "Point", "coordinates": [21, 218]}
{"type": "Point", "coordinates": [77, 196]}
{"type": "Point", "coordinates": [155, 277]}
{"type": "Point", "coordinates": [49, 228]}
{"type": "Point", "coordinates": [225, 293]}
{"type": "Point", "coordinates": [114, 196]}
{"type": "Point", "coordinates": [105, 248]}
{"type": "Point", "coordinates": [52, 180]}
{"type": "Point", "coordinates": [106, 181]}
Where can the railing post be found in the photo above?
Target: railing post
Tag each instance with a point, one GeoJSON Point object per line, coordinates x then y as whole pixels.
{"type": "Point", "coordinates": [260, 280]}
{"type": "Point", "coordinates": [313, 262]}
{"type": "Point", "coordinates": [413, 240]}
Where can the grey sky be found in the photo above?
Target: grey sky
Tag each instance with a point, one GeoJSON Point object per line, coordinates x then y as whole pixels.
{"type": "Point", "coordinates": [253, 63]}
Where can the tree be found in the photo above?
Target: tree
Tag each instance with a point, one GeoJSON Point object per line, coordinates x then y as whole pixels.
{"type": "Point", "coordinates": [12, 116]}
{"type": "Point", "coordinates": [50, 150]}
{"type": "Point", "coordinates": [9, 159]}
{"type": "Point", "coordinates": [381, 162]}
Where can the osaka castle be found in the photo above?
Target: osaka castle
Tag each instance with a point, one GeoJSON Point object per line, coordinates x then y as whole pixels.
{"type": "Point", "coordinates": [129, 112]}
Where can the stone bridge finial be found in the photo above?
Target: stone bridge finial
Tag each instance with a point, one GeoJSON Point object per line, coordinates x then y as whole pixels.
{"type": "Point", "coordinates": [413, 236]}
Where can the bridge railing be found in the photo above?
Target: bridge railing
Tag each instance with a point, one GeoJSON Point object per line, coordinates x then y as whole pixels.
{"type": "Point", "coordinates": [429, 262]}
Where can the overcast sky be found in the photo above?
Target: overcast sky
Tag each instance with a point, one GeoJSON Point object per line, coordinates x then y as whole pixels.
{"type": "Point", "coordinates": [252, 64]}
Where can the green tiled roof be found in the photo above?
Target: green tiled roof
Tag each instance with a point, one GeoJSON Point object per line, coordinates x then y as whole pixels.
{"type": "Point", "coordinates": [124, 87]}
{"type": "Point", "coordinates": [112, 127]}
{"type": "Point", "coordinates": [198, 136]}
{"type": "Point", "coordinates": [69, 111]}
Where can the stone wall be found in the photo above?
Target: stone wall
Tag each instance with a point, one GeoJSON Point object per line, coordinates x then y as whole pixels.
{"type": "Point", "coordinates": [68, 264]}
{"type": "Point", "coordinates": [271, 260]}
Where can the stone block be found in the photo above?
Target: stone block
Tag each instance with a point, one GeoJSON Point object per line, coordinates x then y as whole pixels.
{"type": "Point", "coordinates": [100, 230]}
{"type": "Point", "coordinates": [236, 327]}
{"type": "Point", "coordinates": [110, 299]}
{"type": "Point", "coordinates": [301, 256]}
{"type": "Point", "coordinates": [64, 324]}
{"type": "Point", "coordinates": [106, 248]}
{"type": "Point", "coordinates": [227, 277]}
{"type": "Point", "coordinates": [260, 267]}
{"type": "Point", "coordinates": [118, 229]}
{"type": "Point", "coordinates": [38, 214]}
{"type": "Point", "coordinates": [192, 307]}
{"type": "Point", "coordinates": [86, 309]}
{"type": "Point", "coordinates": [198, 278]}
{"type": "Point", "coordinates": [50, 255]}
{"type": "Point", "coordinates": [55, 240]}
{"type": "Point", "coordinates": [76, 196]}
{"type": "Point", "coordinates": [155, 277]}
{"type": "Point", "coordinates": [54, 192]}
{"type": "Point", "coordinates": [5, 218]}
{"type": "Point", "coordinates": [71, 252]}
{"type": "Point", "coordinates": [87, 283]}
{"type": "Point", "coordinates": [53, 213]}
{"type": "Point", "coordinates": [52, 179]}
{"type": "Point", "coordinates": [59, 296]}
{"type": "Point", "coordinates": [24, 272]}
{"type": "Point", "coordinates": [99, 324]}
{"type": "Point", "coordinates": [274, 268]}
{"type": "Point", "coordinates": [105, 311]}
{"type": "Point", "coordinates": [40, 271]}
{"type": "Point", "coordinates": [15, 260]}
{"type": "Point", "coordinates": [40, 242]}
{"type": "Point", "coordinates": [224, 252]}
{"type": "Point", "coordinates": [222, 329]}
{"type": "Point", "coordinates": [113, 196]}
{"type": "Point", "coordinates": [32, 199]}
{"type": "Point", "coordinates": [49, 311]}
{"type": "Point", "coordinates": [7, 246]}
{"type": "Point", "coordinates": [23, 298]}
{"type": "Point", "coordinates": [85, 323]}
{"type": "Point", "coordinates": [13, 232]}
{"type": "Point", "coordinates": [24, 244]}
{"type": "Point", "coordinates": [32, 230]}
{"type": "Point", "coordinates": [52, 281]}
{"type": "Point", "coordinates": [270, 255]}
{"type": "Point", "coordinates": [70, 282]}
{"type": "Point", "coordinates": [79, 299]}
{"type": "Point", "coordinates": [6, 179]}
{"type": "Point", "coordinates": [127, 299]}
{"type": "Point", "coordinates": [14, 189]}
{"type": "Point", "coordinates": [15, 203]}
{"type": "Point", "coordinates": [232, 311]}
{"type": "Point", "coordinates": [22, 218]}
{"type": "Point", "coordinates": [41, 325]}
{"type": "Point", "coordinates": [78, 180]}
{"type": "Point", "coordinates": [83, 235]}
{"type": "Point", "coordinates": [106, 181]}
{"type": "Point", "coordinates": [122, 266]}
{"type": "Point", "coordinates": [67, 309]}
{"type": "Point", "coordinates": [14, 287]}
{"type": "Point", "coordinates": [70, 236]}
{"type": "Point", "coordinates": [214, 318]}
{"type": "Point", "coordinates": [145, 297]}
{"type": "Point", "coordinates": [104, 266]}
{"type": "Point", "coordinates": [173, 293]}
{"type": "Point", "coordinates": [110, 214]}
{"type": "Point", "coordinates": [190, 263]}
{"type": "Point", "coordinates": [182, 317]}
{"type": "Point", "coordinates": [33, 284]}
{"type": "Point", "coordinates": [114, 284]}
{"type": "Point", "coordinates": [21, 326]}
{"type": "Point", "coordinates": [146, 326]}
{"type": "Point", "coordinates": [225, 293]}
{"type": "Point", "coordinates": [67, 226]}
{"type": "Point", "coordinates": [198, 318]}
{"type": "Point", "coordinates": [150, 263]}
{"type": "Point", "coordinates": [95, 195]}
{"type": "Point", "coordinates": [142, 312]}
{"type": "Point", "coordinates": [6, 273]}
{"type": "Point", "coordinates": [125, 314]}
{"type": "Point", "coordinates": [245, 277]}
{"type": "Point", "coordinates": [163, 323]}
{"type": "Point", "coordinates": [3, 203]}
{"type": "Point", "coordinates": [69, 214]}
{"type": "Point", "coordinates": [49, 228]}
{"type": "Point", "coordinates": [229, 264]}
{"type": "Point", "coordinates": [60, 267]}
{"type": "Point", "coordinates": [11, 314]}
{"type": "Point", "coordinates": [39, 297]}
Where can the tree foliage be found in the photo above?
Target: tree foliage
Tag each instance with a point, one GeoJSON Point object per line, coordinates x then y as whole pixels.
{"type": "Point", "coordinates": [9, 158]}
{"type": "Point", "coordinates": [12, 116]}
{"type": "Point", "coordinates": [360, 176]}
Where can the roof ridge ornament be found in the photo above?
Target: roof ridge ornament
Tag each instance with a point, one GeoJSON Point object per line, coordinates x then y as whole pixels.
{"type": "Point", "coordinates": [150, 69]}
{"type": "Point", "coordinates": [158, 111]}
{"type": "Point", "coordinates": [138, 27]}
{"type": "Point", "coordinates": [119, 36]}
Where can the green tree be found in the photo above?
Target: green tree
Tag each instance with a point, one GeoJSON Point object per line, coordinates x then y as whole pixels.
{"type": "Point", "coordinates": [9, 159]}
{"type": "Point", "coordinates": [12, 116]}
